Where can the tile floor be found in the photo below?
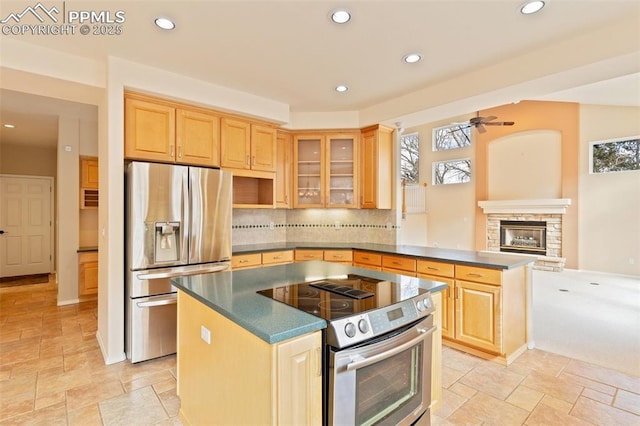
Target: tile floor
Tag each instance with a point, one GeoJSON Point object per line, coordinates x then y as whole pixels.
{"type": "Point", "coordinates": [52, 372]}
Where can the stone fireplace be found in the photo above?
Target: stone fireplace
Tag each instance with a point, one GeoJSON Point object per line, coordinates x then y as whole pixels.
{"type": "Point", "coordinates": [529, 222]}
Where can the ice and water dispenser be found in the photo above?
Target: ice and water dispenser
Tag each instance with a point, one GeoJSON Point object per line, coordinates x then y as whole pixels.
{"type": "Point", "coordinates": [167, 248]}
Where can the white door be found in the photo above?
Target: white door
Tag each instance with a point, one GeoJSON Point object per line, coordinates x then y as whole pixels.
{"type": "Point", "coordinates": [25, 225]}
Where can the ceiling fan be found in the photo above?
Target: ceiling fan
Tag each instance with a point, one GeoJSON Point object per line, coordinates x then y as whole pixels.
{"type": "Point", "coordinates": [479, 122]}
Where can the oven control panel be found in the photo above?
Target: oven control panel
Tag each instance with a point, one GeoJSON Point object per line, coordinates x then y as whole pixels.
{"type": "Point", "coordinates": [357, 328]}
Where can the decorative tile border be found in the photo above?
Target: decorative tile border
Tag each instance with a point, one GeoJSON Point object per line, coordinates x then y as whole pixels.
{"type": "Point", "coordinates": [313, 225]}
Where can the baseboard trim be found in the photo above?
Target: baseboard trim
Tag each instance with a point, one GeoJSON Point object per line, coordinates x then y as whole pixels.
{"type": "Point", "coordinates": [109, 360]}
{"type": "Point", "coordinates": [68, 302]}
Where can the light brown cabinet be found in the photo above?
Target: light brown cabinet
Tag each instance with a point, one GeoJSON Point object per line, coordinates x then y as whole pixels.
{"type": "Point", "coordinates": [483, 309]}
{"type": "Point", "coordinates": [443, 272]}
{"type": "Point", "coordinates": [252, 260]}
{"type": "Point", "coordinates": [247, 146]}
{"type": "Point", "coordinates": [89, 172]}
{"type": "Point", "coordinates": [325, 170]}
{"type": "Point", "coordinates": [87, 274]}
{"type": "Point", "coordinates": [285, 377]}
{"type": "Point", "coordinates": [399, 265]}
{"type": "Point", "coordinates": [89, 194]}
{"type": "Point", "coordinates": [158, 130]}
{"type": "Point", "coordinates": [284, 158]}
{"type": "Point", "coordinates": [368, 260]}
{"type": "Point", "coordinates": [376, 164]}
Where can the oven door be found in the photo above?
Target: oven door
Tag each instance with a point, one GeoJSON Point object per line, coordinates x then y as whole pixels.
{"type": "Point", "coordinates": [386, 381]}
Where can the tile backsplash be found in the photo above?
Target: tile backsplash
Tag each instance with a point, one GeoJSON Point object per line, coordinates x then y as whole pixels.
{"type": "Point", "coordinates": [260, 226]}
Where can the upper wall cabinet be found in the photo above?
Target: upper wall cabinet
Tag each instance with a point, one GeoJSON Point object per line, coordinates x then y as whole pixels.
{"type": "Point", "coordinates": [89, 196]}
{"type": "Point", "coordinates": [325, 170]}
{"type": "Point", "coordinates": [283, 170]}
{"type": "Point", "coordinates": [157, 130]}
{"type": "Point", "coordinates": [248, 146]}
{"type": "Point", "coordinates": [376, 158]}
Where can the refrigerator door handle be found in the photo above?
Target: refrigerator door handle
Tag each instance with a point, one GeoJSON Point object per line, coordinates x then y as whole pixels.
{"type": "Point", "coordinates": [173, 274]}
{"type": "Point", "coordinates": [170, 300]}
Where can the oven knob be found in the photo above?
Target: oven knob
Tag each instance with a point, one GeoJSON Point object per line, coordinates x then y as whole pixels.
{"type": "Point", "coordinates": [363, 325]}
{"type": "Point", "coordinates": [350, 329]}
{"type": "Point", "coordinates": [427, 303]}
{"type": "Point", "coordinates": [420, 306]}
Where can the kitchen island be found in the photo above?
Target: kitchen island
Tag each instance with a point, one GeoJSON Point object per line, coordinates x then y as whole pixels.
{"type": "Point", "coordinates": [246, 359]}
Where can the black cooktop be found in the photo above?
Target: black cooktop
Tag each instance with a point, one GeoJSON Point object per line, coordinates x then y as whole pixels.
{"type": "Point", "coordinates": [335, 298]}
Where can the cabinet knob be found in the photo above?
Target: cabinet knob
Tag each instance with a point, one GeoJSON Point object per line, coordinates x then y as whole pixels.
{"type": "Point", "coordinates": [248, 161]}
{"type": "Point", "coordinates": [171, 149]}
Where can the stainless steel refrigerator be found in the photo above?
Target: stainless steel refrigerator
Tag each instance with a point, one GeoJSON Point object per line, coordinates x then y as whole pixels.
{"type": "Point", "coordinates": [178, 222]}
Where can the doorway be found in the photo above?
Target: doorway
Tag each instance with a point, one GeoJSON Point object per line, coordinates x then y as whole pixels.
{"type": "Point", "coordinates": [26, 228]}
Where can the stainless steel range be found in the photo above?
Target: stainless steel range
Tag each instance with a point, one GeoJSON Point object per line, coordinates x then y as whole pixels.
{"type": "Point", "coordinates": [377, 347]}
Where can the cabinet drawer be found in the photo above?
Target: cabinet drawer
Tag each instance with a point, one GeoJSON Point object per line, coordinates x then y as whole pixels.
{"type": "Point", "coordinates": [246, 260]}
{"type": "Point", "coordinates": [85, 257]}
{"type": "Point", "coordinates": [338, 255]}
{"type": "Point", "coordinates": [273, 257]}
{"type": "Point", "coordinates": [309, 255]}
{"type": "Point", "coordinates": [435, 268]}
{"type": "Point", "coordinates": [367, 258]}
{"type": "Point", "coordinates": [397, 262]}
{"type": "Point", "coordinates": [481, 275]}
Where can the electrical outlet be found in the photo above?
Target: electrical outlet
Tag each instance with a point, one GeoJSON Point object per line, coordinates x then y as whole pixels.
{"type": "Point", "coordinates": [336, 224]}
{"type": "Point", "coordinates": [205, 334]}
{"type": "Point", "coordinates": [272, 226]}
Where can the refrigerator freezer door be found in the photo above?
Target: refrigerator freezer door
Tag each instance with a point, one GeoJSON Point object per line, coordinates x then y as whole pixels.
{"type": "Point", "coordinates": [211, 210]}
{"type": "Point", "coordinates": [152, 331]}
{"type": "Point", "coordinates": [157, 232]}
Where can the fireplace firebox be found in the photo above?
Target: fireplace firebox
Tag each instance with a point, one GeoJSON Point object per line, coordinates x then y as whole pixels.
{"type": "Point", "coordinates": [527, 237]}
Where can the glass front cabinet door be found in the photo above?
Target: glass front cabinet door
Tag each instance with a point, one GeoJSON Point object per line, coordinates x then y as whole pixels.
{"type": "Point", "coordinates": [325, 170]}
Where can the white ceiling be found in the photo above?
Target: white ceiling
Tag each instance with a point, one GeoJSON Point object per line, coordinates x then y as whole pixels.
{"type": "Point", "coordinates": [290, 52]}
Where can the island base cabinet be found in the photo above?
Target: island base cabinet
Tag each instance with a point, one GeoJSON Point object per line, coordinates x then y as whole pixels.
{"type": "Point", "coordinates": [227, 375]}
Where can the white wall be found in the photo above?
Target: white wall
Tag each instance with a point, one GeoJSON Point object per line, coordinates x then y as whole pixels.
{"type": "Point", "coordinates": [609, 226]}
{"type": "Point", "coordinates": [67, 186]}
{"type": "Point", "coordinates": [450, 208]}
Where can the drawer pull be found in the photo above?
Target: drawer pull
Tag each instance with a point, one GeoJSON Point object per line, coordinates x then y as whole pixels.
{"type": "Point", "coordinates": [471, 274]}
{"type": "Point", "coordinates": [244, 261]}
{"type": "Point", "coordinates": [365, 258]}
{"type": "Point", "coordinates": [277, 257]}
{"type": "Point", "coordinates": [396, 263]}
{"type": "Point", "coordinates": [338, 256]}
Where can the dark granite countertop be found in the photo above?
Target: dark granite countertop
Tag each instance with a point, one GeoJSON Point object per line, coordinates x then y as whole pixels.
{"type": "Point", "coordinates": [87, 249]}
{"type": "Point", "coordinates": [483, 259]}
{"type": "Point", "coordinates": [233, 295]}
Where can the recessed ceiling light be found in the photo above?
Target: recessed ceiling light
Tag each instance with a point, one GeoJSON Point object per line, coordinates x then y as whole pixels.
{"type": "Point", "coordinates": [9, 126]}
{"type": "Point", "coordinates": [165, 23]}
{"type": "Point", "coordinates": [340, 16]}
{"type": "Point", "coordinates": [531, 7]}
{"type": "Point", "coordinates": [341, 88]}
{"type": "Point", "coordinates": [412, 58]}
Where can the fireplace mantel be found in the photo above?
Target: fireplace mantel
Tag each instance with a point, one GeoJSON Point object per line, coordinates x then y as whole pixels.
{"type": "Point", "coordinates": [534, 206]}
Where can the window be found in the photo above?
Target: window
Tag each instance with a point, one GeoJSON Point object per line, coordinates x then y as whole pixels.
{"type": "Point", "coordinates": [615, 155]}
{"type": "Point", "coordinates": [409, 157]}
{"type": "Point", "coordinates": [453, 171]}
{"type": "Point", "coordinates": [452, 136]}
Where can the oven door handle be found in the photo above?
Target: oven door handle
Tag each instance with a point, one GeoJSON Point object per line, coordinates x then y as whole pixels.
{"type": "Point", "coordinates": [396, 350]}
{"type": "Point", "coordinates": [170, 300]}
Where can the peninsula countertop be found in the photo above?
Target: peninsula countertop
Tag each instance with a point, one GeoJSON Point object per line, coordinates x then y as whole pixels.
{"type": "Point", "coordinates": [233, 295]}
{"type": "Point", "coordinates": [484, 259]}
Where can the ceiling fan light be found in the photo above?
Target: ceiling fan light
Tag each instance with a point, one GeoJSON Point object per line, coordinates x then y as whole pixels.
{"type": "Point", "coordinates": [165, 23]}
{"type": "Point", "coordinates": [531, 7]}
{"type": "Point", "coordinates": [341, 88]}
{"type": "Point", "coordinates": [340, 16]}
